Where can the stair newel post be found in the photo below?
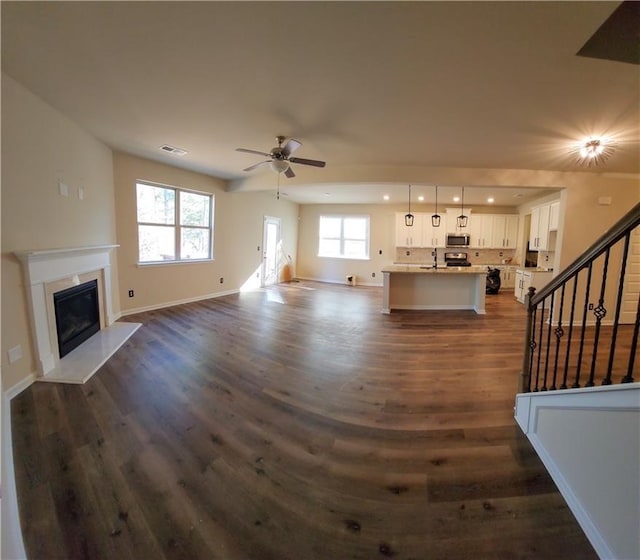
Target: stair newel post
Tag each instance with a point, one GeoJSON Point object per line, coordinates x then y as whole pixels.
{"type": "Point", "coordinates": [529, 345]}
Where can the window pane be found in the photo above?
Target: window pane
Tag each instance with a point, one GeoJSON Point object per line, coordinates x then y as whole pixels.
{"type": "Point", "coordinates": [355, 228]}
{"type": "Point", "coordinates": [194, 209]}
{"type": "Point", "coordinates": [155, 204]}
{"type": "Point", "coordinates": [355, 249]}
{"type": "Point", "coordinates": [329, 248]}
{"type": "Point", "coordinates": [195, 243]}
{"type": "Point", "coordinates": [330, 227]}
{"type": "Point", "coordinates": [157, 243]}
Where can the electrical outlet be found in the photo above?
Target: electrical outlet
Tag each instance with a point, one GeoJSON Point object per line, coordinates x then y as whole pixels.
{"type": "Point", "coordinates": [546, 258]}
{"type": "Point", "coordinates": [373, 275]}
{"type": "Point", "coordinates": [131, 293]}
{"type": "Point", "coordinates": [408, 253]}
{"type": "Point", "coordinates": [258, 248]}
{"type": "Point", "coordinates": [477, 254]}
{"type": "Point", "coordinates": [221, 280]}
{"type": "Point", "coordinates": [380, 252]}
{"type": "Point", "coordinates": [591, 307]}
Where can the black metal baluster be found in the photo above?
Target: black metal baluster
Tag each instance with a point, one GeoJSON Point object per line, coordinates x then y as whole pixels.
{"type": "Point", "coordinates": [584, 324]}
{"type": "Point", "coordinates": [546, 358]}
{"type": "Point", "coordinates": [525, 376]}
{"type": "Point", "coordinates": [614, 332]}
{"type": "Point", "coordinates": [544, 384]}
{"type": "Point", "coordinates": [600, 313]}
{"type": "Point", "coordinates": [558, 332]}
{"type": "Point", "coordinates": [571, 316]}
{"type": "Point", "coordinates": [634, 347]}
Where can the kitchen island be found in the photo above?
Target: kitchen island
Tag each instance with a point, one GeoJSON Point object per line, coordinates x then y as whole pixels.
{"type": "Point", "coordinates": [428, 288]}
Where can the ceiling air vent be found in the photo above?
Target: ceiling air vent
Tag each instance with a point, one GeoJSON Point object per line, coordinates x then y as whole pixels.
{"type": "Point", "coordinates": [173, 150]}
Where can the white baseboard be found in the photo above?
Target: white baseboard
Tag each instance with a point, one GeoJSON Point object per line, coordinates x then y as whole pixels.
{"type": "Point", "coordinates": [176, 302]}
{"type": "Point", "coordinates": [341, 281]}
{"type": "Point", "coordinates": [12, 546]}
{"type": "Point", "coordinates": [20, 386]}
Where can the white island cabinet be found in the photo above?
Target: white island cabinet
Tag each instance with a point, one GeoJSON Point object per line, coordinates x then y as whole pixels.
{"type": "Point", "coordinates": [422, 288]}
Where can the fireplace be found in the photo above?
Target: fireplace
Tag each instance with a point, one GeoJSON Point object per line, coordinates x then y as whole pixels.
{"type": "Point", "coordinates": [77, 313]}
{"type": "Point", "coordinates": [74, 284]}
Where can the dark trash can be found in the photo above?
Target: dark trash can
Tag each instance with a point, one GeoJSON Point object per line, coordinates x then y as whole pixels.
{"type": "Point", "coordinates": [493, 280]}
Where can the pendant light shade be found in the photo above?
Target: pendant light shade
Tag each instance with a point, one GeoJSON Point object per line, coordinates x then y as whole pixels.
{"type": "Point", "coordinates": [408, 218]}
{"type": "Point", "coordinates": [435, 218]}
{"type": "Point", "coordinates": [462, 220]}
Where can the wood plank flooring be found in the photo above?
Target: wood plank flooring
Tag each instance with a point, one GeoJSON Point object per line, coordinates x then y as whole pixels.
{"type": "Point", "coordinates": [296, 422]}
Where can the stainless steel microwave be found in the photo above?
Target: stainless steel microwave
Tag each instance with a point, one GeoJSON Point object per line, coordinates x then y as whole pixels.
{"type": "Point", "coordinates": [458, 239]}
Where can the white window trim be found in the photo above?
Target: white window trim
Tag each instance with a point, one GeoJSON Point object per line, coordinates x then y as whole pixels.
{"type": "Point", "coordinates": [342, 239]}
{"type": "Point", "coordinates": [178, 227]}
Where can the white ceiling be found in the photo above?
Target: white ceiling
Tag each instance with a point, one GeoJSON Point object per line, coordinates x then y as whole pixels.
{"type": "Point", "coordinates": [404, 85]}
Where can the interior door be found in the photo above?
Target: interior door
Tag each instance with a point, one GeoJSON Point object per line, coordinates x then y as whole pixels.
{"type": "Point", "coordinates": [270, 251]}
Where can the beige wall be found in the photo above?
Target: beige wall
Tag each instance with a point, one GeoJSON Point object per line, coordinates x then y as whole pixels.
{"type": "Point", "coordinates": [238, 224]}
{"type": "Point", "coordinates": [40, 147]}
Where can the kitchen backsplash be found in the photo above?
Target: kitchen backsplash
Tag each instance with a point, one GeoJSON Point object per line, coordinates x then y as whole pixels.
{"type": "Point", "coordinates": [475, 256]}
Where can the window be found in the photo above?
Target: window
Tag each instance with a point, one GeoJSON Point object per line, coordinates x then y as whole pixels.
{"type": "Point", "coordinates": [345, 237]}
{"type": "Point", "coordinates": [173, 225]}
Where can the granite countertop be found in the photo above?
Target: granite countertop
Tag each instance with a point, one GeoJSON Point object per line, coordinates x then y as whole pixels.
{"type": "Point", "coordinates": [427, 269]}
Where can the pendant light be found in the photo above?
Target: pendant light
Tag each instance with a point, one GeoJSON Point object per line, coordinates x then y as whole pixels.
{"type": "Point", "coordinates": [435, 218]}
{"type": "Point", "coordinates": [408, 218]}
{"type": "Point", "coordinates": [462, 219]}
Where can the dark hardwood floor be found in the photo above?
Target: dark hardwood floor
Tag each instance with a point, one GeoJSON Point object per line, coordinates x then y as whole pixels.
{"type": "Point", "coordinates": [296, 422]}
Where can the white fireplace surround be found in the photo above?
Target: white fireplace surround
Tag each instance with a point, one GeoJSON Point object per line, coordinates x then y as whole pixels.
{"type": "Point", "coordinates": [50, 270]}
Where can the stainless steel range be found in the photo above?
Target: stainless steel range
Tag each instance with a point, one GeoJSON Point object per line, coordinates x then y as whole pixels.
{"type": "Point", "coordinates": [456, 259]}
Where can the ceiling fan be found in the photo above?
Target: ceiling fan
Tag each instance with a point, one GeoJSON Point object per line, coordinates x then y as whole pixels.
{"type": "Point", "coordinates": [280, 157]}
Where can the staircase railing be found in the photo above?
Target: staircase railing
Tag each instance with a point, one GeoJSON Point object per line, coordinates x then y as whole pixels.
{"type": "Point", "coordinates": [572, 340]}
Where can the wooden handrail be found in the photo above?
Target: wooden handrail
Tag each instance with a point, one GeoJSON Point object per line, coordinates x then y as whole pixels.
{"type": "Point", "coordinates": [628, 222]}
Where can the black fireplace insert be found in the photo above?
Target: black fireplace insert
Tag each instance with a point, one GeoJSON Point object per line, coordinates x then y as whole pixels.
{"type": "Point", "coordinates": [77, 315]}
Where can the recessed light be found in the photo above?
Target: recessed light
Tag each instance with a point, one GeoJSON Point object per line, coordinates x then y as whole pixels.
{"type": "Point", "coordinates": [456, 199]}
{"type": "Point", "coordinates": [386, 197]}
{"type": "Point", "coordinates": [490, 200]}
{"type": "Point", "coordinates": [421, 198]}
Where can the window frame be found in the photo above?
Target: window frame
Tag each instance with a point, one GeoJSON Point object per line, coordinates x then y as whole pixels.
{"type": "Point", "coordinates": [176, 225]}
{"type": "Point", "coordinates": [342, 239]}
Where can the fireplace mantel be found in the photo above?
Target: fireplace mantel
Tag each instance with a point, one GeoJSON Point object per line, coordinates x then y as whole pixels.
{"type": "Point", "coordinates": [44, 267]}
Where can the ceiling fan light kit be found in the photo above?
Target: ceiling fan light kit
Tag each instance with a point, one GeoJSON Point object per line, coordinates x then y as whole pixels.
{"type": "Point", "coordinates": [280, 159]}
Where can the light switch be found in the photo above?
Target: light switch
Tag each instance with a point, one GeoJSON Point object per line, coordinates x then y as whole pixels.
{"type": "Point", "coordinates": [80, 193]}
{"type": "Point", "coordinates": [63, 189]}
{"type": "Point", "coordinates": [15, 354]}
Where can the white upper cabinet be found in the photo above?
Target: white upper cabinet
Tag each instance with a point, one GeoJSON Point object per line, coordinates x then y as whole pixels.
{"type": "Point", "coordinates": [505, 231]}
{"type": "Point", "coordinates": [434, 236]}
{"type": "Point", "coordinates": [481, 231]}
{"type": "Point", "coordinates": [408, 236]}
{"type": "Point", "coordinates": [554, 216]}
{"type": "Point", "coordinates": [539, 233]}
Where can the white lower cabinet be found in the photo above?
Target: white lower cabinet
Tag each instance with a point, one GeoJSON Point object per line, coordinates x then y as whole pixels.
{"type": "Point", "coordinates": [524, 279]}
{"type": "Point", "coordinates": [507, 276]}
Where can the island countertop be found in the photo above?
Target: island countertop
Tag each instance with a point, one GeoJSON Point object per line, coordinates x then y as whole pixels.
{"type": "Point", "coordinates": [426, 269]}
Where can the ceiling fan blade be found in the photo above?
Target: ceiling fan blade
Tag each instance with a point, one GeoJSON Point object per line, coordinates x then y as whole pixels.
{"type": "Point", "coordinates": [291, 146]}
{"type": "Point", "coordinates": [314, 162]}
{"type": "Point", "coordinates": [289, 173]}
{"type": "Point", "coordinates": [256, 165]}
{"type": "Point", "coordinates": [252, 152]}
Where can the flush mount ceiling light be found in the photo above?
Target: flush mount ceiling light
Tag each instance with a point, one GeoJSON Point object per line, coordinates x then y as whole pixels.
{"type": "Point", "coordinates": [435, 218]}
{"type": "Point", "coordinates": [462, 220]}
{"type": "Point", "coordinates": [408, 218]}
{"type": "Point", "coordinates": [593, 151]}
